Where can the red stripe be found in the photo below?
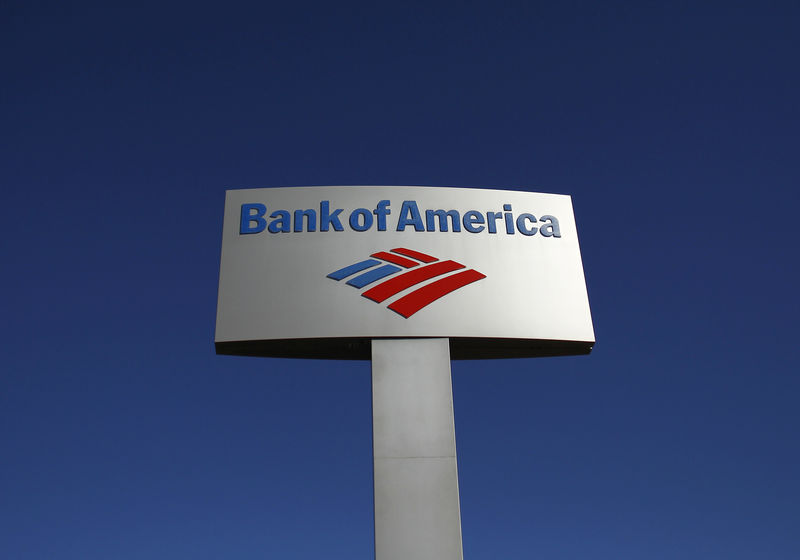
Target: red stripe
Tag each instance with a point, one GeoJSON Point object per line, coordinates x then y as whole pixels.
{"type": "Point", "coordinates": [416, 300]}
{"type": "Point", "coordinates": [397, 284]}
{"type": "Point", "coordinates": [415, 255]}
{"type": "Point", "coordinates": [408, 263]}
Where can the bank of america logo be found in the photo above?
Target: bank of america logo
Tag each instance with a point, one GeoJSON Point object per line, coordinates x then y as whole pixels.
{"type": "Point", "coordinates": [415, 268]}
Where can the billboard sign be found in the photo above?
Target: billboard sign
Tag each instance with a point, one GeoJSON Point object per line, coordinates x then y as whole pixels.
{"type": "Point", "coordinates": [320, 271]}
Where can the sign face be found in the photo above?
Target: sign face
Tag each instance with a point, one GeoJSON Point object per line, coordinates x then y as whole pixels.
{"type": "Point", "coordinates": [320, 271]}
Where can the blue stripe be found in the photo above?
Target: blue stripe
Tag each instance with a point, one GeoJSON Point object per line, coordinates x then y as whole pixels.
{"type": "Point", "coordinates": [352, 269]}
{"type": "Point", "coordinates": [373, 275]}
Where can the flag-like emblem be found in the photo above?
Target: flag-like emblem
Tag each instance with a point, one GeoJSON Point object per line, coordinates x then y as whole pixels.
{"type": "Point", "coordinates": [401, 269]}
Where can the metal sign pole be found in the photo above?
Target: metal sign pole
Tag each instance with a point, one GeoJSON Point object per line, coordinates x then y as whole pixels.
{"type": "Point", "coordinates": [417, 512]}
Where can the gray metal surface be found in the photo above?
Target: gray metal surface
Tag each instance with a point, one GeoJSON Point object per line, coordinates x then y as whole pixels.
{"type": "Point", "coordinates": [417, 512]}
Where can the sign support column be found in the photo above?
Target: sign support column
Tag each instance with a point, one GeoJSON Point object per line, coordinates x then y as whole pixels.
{"type": "Point", "coordinates": [417, 511]}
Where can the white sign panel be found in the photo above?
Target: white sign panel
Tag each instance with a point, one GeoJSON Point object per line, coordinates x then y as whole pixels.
{"type": "Point", "coordinates": [319, 271]}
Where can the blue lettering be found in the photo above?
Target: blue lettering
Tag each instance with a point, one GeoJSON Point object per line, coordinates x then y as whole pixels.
{"type": "Point", "coordinates": [253, 219]}
{"type": "Point", "coordinates": [281, 222]}
{"type": "Point", "coordinates": [509, 219]}
{"type": "Point", "coordinates": [382, 210]}
{"type": "Point", "coordinates": [470, 219]}
{"type": "Point", "coordinates": [248, 217]}
{"type": "Point", "coordinates": [551, 229]}
{"type": "Point", "coordinates": [455, 219]}
{"type": "Point", "coordinates": [491, 221]}
{"type": "Point", "coordinates": [311, 221]}
{"type": "Point", "coordinates": [326, 219]}
{"type": "Point", "coordinates": [366, 219]}
{"type": "Point", "coordinates": [414, 219]}
{"type": "Point", "coordinates": [521, 224]}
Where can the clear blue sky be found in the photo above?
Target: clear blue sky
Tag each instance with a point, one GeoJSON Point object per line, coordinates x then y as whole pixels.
{"type": "Point", "coordinates": [673, 125]}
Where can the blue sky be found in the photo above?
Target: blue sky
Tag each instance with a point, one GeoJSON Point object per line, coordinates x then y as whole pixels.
{"type": "Point", "coordinates": [674, 126]}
